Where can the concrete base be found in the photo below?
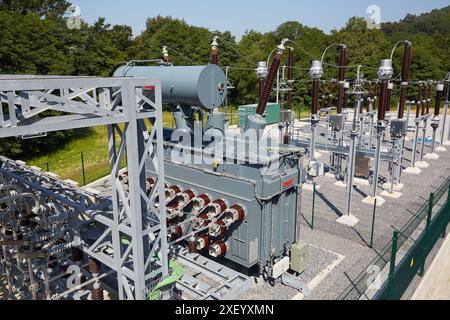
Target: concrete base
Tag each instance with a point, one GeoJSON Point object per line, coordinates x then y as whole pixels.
{"type": "Point", "coordinates": [317, 155]}
{"type": "Point", "coordinates": [371, 201]}
{"type": "Point", "coordinates": [310, 187]}
{"type": "Point", "coordinates": [408, 139]}
{"type": "Point", "coordinates": [447, 143]}
{"type": "Point", "coordinates": [431, 156]}
{"type": "Point", "coordinates": [441, 149]}
{"type": "Point", "coordinates": [415, 171]}
{"type": "Point", "coordinates": [348, 221]}
{"type": "Point", "coordinates": [392, 195]}
{"type": "Point", "coordinates": [361, 182]}
{"type": "Point", "coordinates": [340, 184]}
{"type": "Point", "coordinates": [397, 187]}
{"type": "Point", "coordinates": [330, 175]}
{"type": "Point", "coordinates": [422, 165]}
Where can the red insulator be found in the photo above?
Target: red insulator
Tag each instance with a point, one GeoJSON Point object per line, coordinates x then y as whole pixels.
{"type": "Point", "coordinates": [240, 213]}
{"type": "Point", "coordinates": [218, 249]}
{"type": "Point", "coordinates": [203, 242]}
{"type": "Point", "coordinates": [262, 83]}
{"type": "Point", "coordinates": [315, 97]}
{"type": "Point", "coordinates": [222, 205]}
{"type": "Point", "coordinates": [179, 231]}
{"type": "Point", "coordinates": [418, 105]}
{"type": "Point", "coordinates": [269, 84]}
{"type": "Point", "coordinates": [201, 202]}
{"type": "Point", "coordinates": [218, 229]}
{"type": "Point", "coordinates": [214, 56]}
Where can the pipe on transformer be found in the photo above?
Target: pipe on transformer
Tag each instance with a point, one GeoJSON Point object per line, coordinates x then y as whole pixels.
{"type": "Point", "coordinates": [406, 69]}
{"type": "Point", "coordinates": [343, 57]}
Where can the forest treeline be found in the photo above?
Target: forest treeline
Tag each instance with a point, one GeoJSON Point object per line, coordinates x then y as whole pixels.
{"type": "Point", "coordinates": [35, 39]}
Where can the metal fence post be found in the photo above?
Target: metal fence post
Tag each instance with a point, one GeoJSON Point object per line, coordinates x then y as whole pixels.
{"type": "Point", "coordinates": [83, 169]}
{"type": "Point", "coordinates": [430, 211]}
{"type": "Point", "coordinates": [393, 261]}
{"type": "Point", "coordinates": [373, 223]}
{"type": "Point", "coordinates": [313, 206]}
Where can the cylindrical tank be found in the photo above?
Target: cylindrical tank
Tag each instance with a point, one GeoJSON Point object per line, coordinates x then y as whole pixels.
{"type": "Point", "coordinates": [185, 85]}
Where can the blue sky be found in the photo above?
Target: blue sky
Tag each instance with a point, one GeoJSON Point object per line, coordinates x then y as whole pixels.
{"type": "Point", "coordinates": [238, 16]}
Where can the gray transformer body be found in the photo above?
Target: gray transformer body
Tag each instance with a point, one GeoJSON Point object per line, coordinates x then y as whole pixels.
{"type": "Point", "coordinates": [269, 198]}
{"type": "Point", "coordinates": [263, 184]}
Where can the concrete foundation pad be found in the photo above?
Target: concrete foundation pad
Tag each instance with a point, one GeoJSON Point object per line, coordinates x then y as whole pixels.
{"type": "Point", "coordinates": [441, 149]}
{"type": "Point", "coordinates": [412, 170]}
{"type": "Point", "coordinates": [392, 195]}
{"type": "Point", "coordinates": [431, 156]}
{"type": "Point", "coordinates": [310, 187]}
{"type": "Point", "coordinates": [371, 201]}
{"type": "Point", "coordinates": [330, 175]}
{"type": "Point", "coordinates": [447, 143]}
{"type": "Point", "coordinates": [361, 182]}
{"type": "Point", "coordinates": [340, 184]}
{"type": "Point", "coordinates": [317, 155]}
{"type": "Point", "coordinates": [397, 187]}
{"type": "Point", "coordinates": [422, 165]}
{"type": "Point", "coordinates": [349, 221]}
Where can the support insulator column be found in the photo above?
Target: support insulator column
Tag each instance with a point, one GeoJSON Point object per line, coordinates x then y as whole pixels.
{"type": "Point", "coordinates": [406, 69]}
{"type": "Point", "coordinates": [215, 51]}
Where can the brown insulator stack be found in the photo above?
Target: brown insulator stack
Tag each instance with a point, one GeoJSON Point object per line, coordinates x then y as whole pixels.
{"type": "Point", "coordinates": [77, 255]}
{"type": "Point", "coordinates": [375, 95]}
{"type": "Point", "coordinates": [406, 69]}
{"type": "Point", "coordinates": [95, 267]}
{"type": "Point", "coordinates": [418, 105]}
{"type": "Point", "coordinates": [341, 78]}
{"type": "Point", "coordinates": [269, 82]}
{"type": "Point", "coordinates": [290, 77]}
{"type": "Point", "coordinates": [192, 245]}
{"type": "Point", "coordinates": [97, 292]}
{"type": "Point", "coordinates": [262, 83]}
{"type": "Point", "coordinates": [389, 98]}
{"type": "Point", "coordinates": [215, 51]}
{"type": "Point", "coordinates": [439, 95]}
{"type": "Point", "coordinates": [423, 93]}
{"type": "Point", "coordinates": [383, 100]}
{"type": "Point", "coordinates": [428, 97]}
{"type": "Point", "coordinates": [324, 91]}
{"type": "Point", "coordinates": [368, 101]}
{"type": "Point", "coordinates": [331, 96]}
{"type": "Point", "coordinates": [315, 97]}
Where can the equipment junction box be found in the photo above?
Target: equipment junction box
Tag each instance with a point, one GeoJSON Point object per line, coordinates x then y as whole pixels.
{"type": "Point", "coordinates": [300, 257]}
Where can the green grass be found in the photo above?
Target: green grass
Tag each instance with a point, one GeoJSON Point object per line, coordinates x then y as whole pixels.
{"type": "Point", "coordinates": [66, 162]}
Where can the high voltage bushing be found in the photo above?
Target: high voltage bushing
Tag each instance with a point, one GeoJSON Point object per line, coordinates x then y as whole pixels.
{"type": "Point", "coordinates": [428, 96]}
{"type": "Point", "coordinates": [406, 69]}
{"type": "Point", "coordinates": [261, 72]}
{"type": "Point", "coordinates": [165, 53]}
{"type": "Point", "coordinates": [385, 73]}
{"type": "Point", "coordinates": [215, 51]}
{"type": "Point", "coordinates": [316, 73]}
{"type": "Point", "coordinates": [389, 98]}
{"type": "Point", "coordinates": [270, 80]}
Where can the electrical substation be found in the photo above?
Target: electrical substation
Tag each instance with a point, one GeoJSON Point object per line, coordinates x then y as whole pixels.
{"type": "Point", "coordinates": [278, 207]}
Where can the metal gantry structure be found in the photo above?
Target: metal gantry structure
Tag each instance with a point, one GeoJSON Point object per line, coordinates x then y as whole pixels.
{"type": "Point", "coordinates": [132, 110]}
